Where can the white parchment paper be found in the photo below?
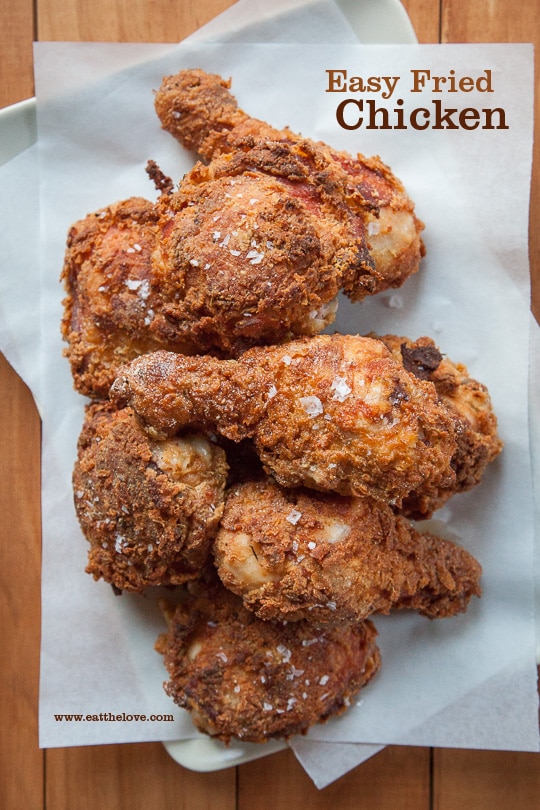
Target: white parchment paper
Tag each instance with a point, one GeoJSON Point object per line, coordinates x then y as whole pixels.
{"type": "Point", "coordinates": [448, 682]}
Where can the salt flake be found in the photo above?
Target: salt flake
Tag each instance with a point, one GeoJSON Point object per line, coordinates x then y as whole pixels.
{"type": "Point", "coordinates": [294, 516]}
{"type": "Point", "coordinates": [341, 389]}
{"type": "Point", "coordinates": [312, 405]}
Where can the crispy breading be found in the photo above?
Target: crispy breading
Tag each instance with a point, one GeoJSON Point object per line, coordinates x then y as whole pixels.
{"type": "Point", "coordinates": [468, 402]}
{"type": "Point", "coordinates": [259, 244]}
{"type": "Point", "coordinates": [111, 300]}
{"type": "Point", "coordinates": [198, 109]}
{"type": "Point", "coordinates": [301, 555]}
{"type": "Point", "coordinates": [330, 412]}
{"type": "Point", "coordinates": [251, 680]}
{"type": "Point", "coordinates": [149, 509]}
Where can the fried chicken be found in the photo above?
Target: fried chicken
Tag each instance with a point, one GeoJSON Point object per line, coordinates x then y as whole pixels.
{"type": "Point", "coordinates": [302, 555]}
{"type": "Point", "coordinates": [251, 249]}
{"type": "Point", "coordinates": [330, 412]}
{"type": "Point", "coordinates": [110, 303]}
{"type": "Point", "coordinates": [198, 109]}
{"type": "Point", "coordinates": [255, 248]}
{"type": "Point", "coordinates": [149, 509]}
{"type": "Point", "coordinates": [252, 680]}
{"type": "Point", "coordinates": [468, 402]}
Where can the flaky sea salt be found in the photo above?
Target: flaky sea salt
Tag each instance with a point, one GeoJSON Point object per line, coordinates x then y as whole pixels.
{"type": "Point", "coordinates": [312, 405]}
{"type": "Point", "coordinates": [119, 543]}
{"type": "Point", "coordinates": [284, 652]}
{"type": "Point", "coordinates": [255, 256]}
{"type": "Point", "coordinates": [294, 516]}
{"type": "Point", "coordinates": [341, 389]}
{"type": "Point", "coordinates": [140, 286]}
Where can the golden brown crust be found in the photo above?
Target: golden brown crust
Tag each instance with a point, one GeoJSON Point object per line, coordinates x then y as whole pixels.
{"type": "Point", "coordinates": [198, 109]}
{"type": "Point", "coordinates": [180, 100]}
{"type": "Point", "coordinates": [254, 249]}
{"type": "Point", "coordinates": [148, 509]}
{"type": "Point", "coordinates": [469, 404]}
{"type": "Point", "coordinates": [300, 555]}
{"type": "Point", "coordinates": [329, 412]}
{"type": "Point", "coordinates": [110, 302]}
{"type": "Point", "coordinates": [243, 678]}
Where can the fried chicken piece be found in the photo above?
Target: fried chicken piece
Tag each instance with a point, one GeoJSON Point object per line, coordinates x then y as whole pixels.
{"type": "Point", "coordinates": [468, 402]}
{"type": "Point", "coordinates": [255, 248]}
{"type": "Point", "coordinates": [111, 302]}
{"type": "Point", "coordinates": [251, 680]}
{"type": "Point", "coordinates": [231, 260]}
{"type": "Point", "coordinates": [302, 555]}
{"type": "Point", "coordinates": [149, 509]}
{"type": "Point", "coordinates": [329, 412]}
{"type": "Point", "coordinates": [204, 270]}
{"type": "Point", "coordinates": [198, 109]}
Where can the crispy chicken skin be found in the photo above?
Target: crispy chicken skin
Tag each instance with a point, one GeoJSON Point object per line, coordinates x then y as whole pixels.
{"type": "Point", "coordinates": [330, 412]}
{"type": "Point", "coordinates": [198, 109]}
{"type": "Point", "coordinates": [110, 303]}
{"type": "Point", "coordinates": [217, 267]}
{"type": "Point", "coordinates": [259, 243]}
{"type": "Point", "coordinates": [251, 680]}
{"type": "Point", "coordinates": [298, 554]}
{"type": "Point", "coordinates": [149, 509]}
{"type": "Point", "coordinates": [468, 402]}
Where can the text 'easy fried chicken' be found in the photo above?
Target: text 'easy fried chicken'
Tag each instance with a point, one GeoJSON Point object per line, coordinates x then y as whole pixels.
{"type": "Point", "coordinates": [251, 680]}
{"type": "Point", "coordinates": [330, 412]}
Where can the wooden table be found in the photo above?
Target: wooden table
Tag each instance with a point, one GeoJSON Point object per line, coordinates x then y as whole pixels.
{"type": "Point", "coordinates": [144, 776]}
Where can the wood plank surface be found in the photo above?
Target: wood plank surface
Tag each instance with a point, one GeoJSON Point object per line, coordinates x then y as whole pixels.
{"type": "Point", "coordinates": [16, 36]}
{"type": "Point", "coordinates": [19, 594]}
{"type": "Point", "coordinates": [137, 776]}
{"type": "Point", "coordinates": [131, 777]}
{"type": "Point", "coordinates": [21, 762]}
{"type": "Point", "coordinates": [485, 780]}
{"type": "Point", "coordinates": [124, 20]}
{"type": "Point", "coordinates": [394, 778]}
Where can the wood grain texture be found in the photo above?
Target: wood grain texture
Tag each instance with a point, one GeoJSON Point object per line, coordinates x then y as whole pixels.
{"type": "Point", "coordinates": [16, 35]}
{"type": "Point", "coordinates": [124, 20]}
{"type": "Point", "coordinates": [20, 563]}
{"type": "Point", "coordinates": [486, 780]}
{"type": "Point", "coordinates": [131, 777]}
{"type": "Point", "coordinates": [394, 778]}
